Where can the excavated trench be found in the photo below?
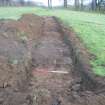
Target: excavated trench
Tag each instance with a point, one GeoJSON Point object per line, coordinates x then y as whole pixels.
{"type": "Point", "coordinates": [37, 65]}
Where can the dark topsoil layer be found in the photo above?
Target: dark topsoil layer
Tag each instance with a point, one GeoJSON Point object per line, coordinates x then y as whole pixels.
{"type": "Point", "coordinates": [30, 49]}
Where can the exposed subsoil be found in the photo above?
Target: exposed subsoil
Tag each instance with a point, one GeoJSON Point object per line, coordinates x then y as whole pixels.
{"type": "Point", "coordinates": [36, 66]}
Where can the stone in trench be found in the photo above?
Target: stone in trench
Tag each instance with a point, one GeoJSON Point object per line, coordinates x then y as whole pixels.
{"type": "Point", "coordinates": [76, 87]}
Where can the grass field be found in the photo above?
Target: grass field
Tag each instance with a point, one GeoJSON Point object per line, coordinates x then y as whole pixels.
{"type": "Point", "coordinates": [89, 26]}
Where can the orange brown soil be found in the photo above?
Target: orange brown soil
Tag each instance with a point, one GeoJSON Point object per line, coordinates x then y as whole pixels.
{"type": "Point", "coordinates": [36, 66]}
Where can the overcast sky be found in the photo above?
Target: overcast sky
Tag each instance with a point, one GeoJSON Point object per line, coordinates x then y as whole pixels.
{"type": "Point", "coordinates": [45, 2]}
{"type": "Point", "coordinates": [57, 2]}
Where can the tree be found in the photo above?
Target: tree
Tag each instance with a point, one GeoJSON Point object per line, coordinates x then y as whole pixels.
{"type": "Point", "coordinates": [5, 2]}
{"type": "Point", "coordinates": [76, 4]}
{"type": "Point", "coordinates": [1, 2]}
{"type": "Point", "coordinates": [49, 3]}
{"type": "Point", "coordinates": [65, 3]}
{"type": "Point", "coordinates": [9, 2]}
{"type": "Point", "coordinates": [81, 4]}
{"type": "Point", "coordinates": [94, 4]}
{"type": "Point", "coordinates": [21, 2]}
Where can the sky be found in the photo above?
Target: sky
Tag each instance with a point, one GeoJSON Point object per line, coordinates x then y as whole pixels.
{"type": "Point", "coordinates": [58, 2]}
{"type": "Point", "coordinates": [54, 2]}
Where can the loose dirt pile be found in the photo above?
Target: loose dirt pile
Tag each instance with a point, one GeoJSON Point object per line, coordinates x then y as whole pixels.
{"type": "Point", "coordinates": [36, 66]}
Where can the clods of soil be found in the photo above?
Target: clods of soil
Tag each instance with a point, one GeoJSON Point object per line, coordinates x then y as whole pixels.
{"type": "Point", "coordinates": [36, 67]}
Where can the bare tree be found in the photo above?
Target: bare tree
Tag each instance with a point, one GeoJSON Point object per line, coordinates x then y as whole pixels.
{"type": "Point", "coordinates": [9, 2]}
{"type": "Point", "coordinates": [1, 2]}
{"type": "Point", "coordinates": [94, 4]}
{"type": "Point", "coordinates": [76, 4]}
{"type": "Point", "coordinates": [5, 2]}
{"type": "Point", "coordinates": [49, 3]}
{"type": "Point", "coordinates": [22, 2]}
{"type": "Point", "coordinates": [82, 4]}
{"type": "Point", "coordinates": [65, 3]}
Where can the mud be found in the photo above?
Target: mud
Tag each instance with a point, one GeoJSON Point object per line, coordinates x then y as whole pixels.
{"type": "Point", "coordinates": [37, 65]}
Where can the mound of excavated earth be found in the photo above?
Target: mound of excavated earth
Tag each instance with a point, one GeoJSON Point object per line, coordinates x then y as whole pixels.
{"type": "Point", "coordinates": [36, 65]}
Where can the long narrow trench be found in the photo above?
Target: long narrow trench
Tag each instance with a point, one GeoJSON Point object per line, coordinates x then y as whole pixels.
{"type": "Point", "coordinates": [52, 67]}
{"type": "Point", "coordinates": [54, 81]}
{"type": "Point", "coordinates": [47, 75]}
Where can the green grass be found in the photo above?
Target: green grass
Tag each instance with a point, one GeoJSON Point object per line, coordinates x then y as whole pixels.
{"type": "Point", "coordinates": [89, 26]}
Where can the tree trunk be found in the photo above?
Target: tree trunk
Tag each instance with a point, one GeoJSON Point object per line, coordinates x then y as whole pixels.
{"type": "Point", "coordinates": [22, 2]}
{"type": "Point", "coordinates": [50, 3]}
{"type": "Point", "coordinates": [76, 4]}
{"type": "Point", "coordinates": [1, 2]}
{"type": "Point", "coordinates": [65, 3]}
{"type": "Point", "coordinates": [94, 3]}
{"type": "Point", "coordinates": [81, 4]}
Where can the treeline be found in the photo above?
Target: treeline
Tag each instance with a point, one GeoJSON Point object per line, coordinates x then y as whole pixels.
{"type": "Point", "coordinates": [94, 4]}
{"type": "Point", "coordinates": [78, 4]}
{"type": "Point", "coordinates": [16, 3]}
